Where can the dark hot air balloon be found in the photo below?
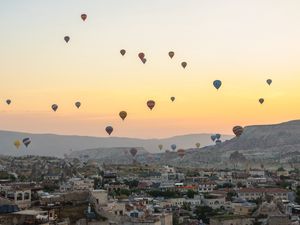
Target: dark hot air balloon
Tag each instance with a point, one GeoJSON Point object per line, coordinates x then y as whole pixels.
{"type": "Point", "coordinates": [67, 39]}
{"type": "Point", "coordinates": [173, 147]}
{"type": "Point", "coordinates": [218, 136]}
{"type": "Point", "coordinates": [83, 16]}
{"type": "Point", "coordinates": [144, 60]}
{"type": "Point", "coordinates": [198, 145]}
{"type": "Point", "coordinates": [183, 64]}
{"type": "Point", "coordinates": [261, 100]}
{"type": "Point", "coordinates": [172, 98]}
{"type": "Point", "coordinates": [8, 101]}
{"type": "Point", "coordinates": [141, 55]}
{"type": "Point", "coordinates": [171, 54]}
{"type": "Point", "coordinates": [269, 81]}
{"type": "Point", "coordinates": [151, 104]}
{"type": "Point", "coordinates": [123, 115]}
{"type": "Point", "coordinates": [123, 52]}
{"type": "Point", "coordinates": [213, 137]}
{"type": "Point", "coordinates": [54, 107]}
{"type": "Point", "coordinates": [78, 104]}
{"type": "Point", "coordinates": [133, 152]}
{"type": "Point", "coordinates": [109, 129]}
{"type": "Point", "coordinates": [26, 142]}
{"type": "Point", "coordinates": [238, 130]}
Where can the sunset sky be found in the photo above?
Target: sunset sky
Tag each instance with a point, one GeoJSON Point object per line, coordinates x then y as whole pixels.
{"type": "Point", "coordinates": [240, 42]}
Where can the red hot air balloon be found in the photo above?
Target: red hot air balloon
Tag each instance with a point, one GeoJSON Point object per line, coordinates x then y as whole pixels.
{"type": "Point", "coordinates": [238, 130]}
{"type": "Point", "coordinates": [151, 104]}
{"type": "Point", "coordinates": [54, 107]}
{"type": "Point", "coordinates": [183, 64]}
{"type": "Point", "coordinates": [109, 129]}
{"type": "Point", "coordinates": [83, 16]}
{"type": "Point", "coordinates": [123, 115]}
{"type": "Point", "coordinates": [181, 153]}
{"type": "Point", "coordinates": [123, 52]}
{"type": "Point", "coordinates": [67, 39]}
{"type": "Point", "coordinates": [141, 55]}
{"type": "Point", "coordinates": [133, 152]}
{"type": "Point", "coordinates": [171, 54]}
{"type": "Point", "coordinates": [261, 100]}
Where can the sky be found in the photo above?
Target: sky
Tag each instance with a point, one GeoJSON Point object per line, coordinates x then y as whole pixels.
{"type": "Point", "coordinates": [242, 43]}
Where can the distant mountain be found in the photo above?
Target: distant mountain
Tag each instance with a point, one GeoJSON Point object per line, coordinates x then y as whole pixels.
{"type": "Point", "coordinates": [58, 145]}
{"type": "Point", "coordinates": [278, 143]}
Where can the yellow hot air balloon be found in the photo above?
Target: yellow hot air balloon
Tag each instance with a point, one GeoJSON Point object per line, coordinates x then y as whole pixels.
{"type": "Point", "coordinates": [160, 147]}
{"type": "Point", "coordinates": [198, 145]}
{"type": "Point", "coordinates": [17, 144]}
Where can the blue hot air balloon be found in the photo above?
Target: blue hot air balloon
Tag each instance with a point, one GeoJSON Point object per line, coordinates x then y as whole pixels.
{"type": "Point", "coordinates": [217, 84]}
{"type": "Point", "coordinates": [218, 136]}
{"type": "Point", "coordinates": [26, 141]}
{"type": "Point", "coordinates": [173, 147]}
{"type": "Point", "coordinates": [213, 137]}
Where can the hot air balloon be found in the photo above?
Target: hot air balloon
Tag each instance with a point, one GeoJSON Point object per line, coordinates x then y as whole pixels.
{"type": "Point", "coordinates": [144, 60]}
{"type": "Point", "coordinates": [26, 142]}
{"type": "Point", "coordinates": [183, 64]}
{"type": "Point", "coordinates": [237, 130]}
{"type": "Point", "coordinates": [181, 153]}
{"type": "Point", "coordinates": [141, 55]}
{"type": "Point", "coordinates": [218, 136]}
{"type": "Point", "coordinates": [133, 152]}
{"type": "Point", "coordinates": [160, 147]}
{"type": "Point", "coordinates": [217, 84]}
{"type": "Point", "coordinates": [123, 115]}
{"type": "Point", "coordinates": [213, 137]}
{"type": "Point", "coordinates": [109, 129]}
{"type": "Point", "coordinates": [67, 39]}
{"type": "Point", "coordinates": [83, 16]}
{"type": "Point", "coordinates": [17, 144]}
{"type": "Point", "coordinates": [261, 100]}
{"type": "Point", "coordinates": [167, 151]}
{"type": "Point", "coordinates": [269, 81]}
{"type": "Point", "coordinates": [8, 101]}
{"type": "Point", "coordinates": [198, 145]}
{"type": "Point", "coordinates": [54, 107]}
{"type": "Point", "coordinates": [172, 98]}
{"type": "Point", "coordinates": [151, 104]}
{"type": "Point", "coordinates": [78, 104]}
{"type": "Point", "coordinates": [173, 147]}
{"type": "Point", "coordinates": [171, 54]}
{"type": "Point", "coordinates": [123, 52]}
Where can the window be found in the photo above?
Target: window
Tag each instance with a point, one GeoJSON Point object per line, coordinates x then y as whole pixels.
{"type": "Point", "coordinates": [19, 197]}
{"type": "Point", "coordinates": [26, 196]}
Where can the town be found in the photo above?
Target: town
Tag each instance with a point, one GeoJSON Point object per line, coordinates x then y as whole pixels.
{"type": "Point", "coordinates": [49, 190]}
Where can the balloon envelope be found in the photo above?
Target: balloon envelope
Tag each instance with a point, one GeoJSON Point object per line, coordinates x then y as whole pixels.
{"type": "Point", "coordinates": [183, 64]}
{"type": "Point", "coordinates": [8, 101]}
{"type": "Point", "coordinates": [26, 141]}
{"type": "Point", "coordinates": [181, 153]}
{"type": "Point", "coordinates": [123, 52]}
{"type": "Point", "coordinates": [218, 136]}
{"type": "Point", "coordinates": [198, 145]}
{"type": "Point", "coordinates": [261, 100]}
{"type": "Point", "coordinates": [67, 39]}
{"type": "Point", "coordinates": [172, 98]}
{"type": "Point", "coordinates": [109, 129]}
{"type": "Point", "coordinates": [78, 104]}
{"type": "Point", "coordinates": [17, 144]}
{"type": "Point", "coordinates": [123, 115]}
{"type": "Point", "coordinates": [151, 104]}
{"type": "Point", "coordinates": [173, 147]}
{"type": "Point", "coordinates": [269, 81]}
{"type": "Point", "coordinates": [160, 147]}
{"type": "Point", "coordinates": [238, 130]}
{"type": "Point", "coordinates": [144, 60]}
{"type": "Point", "coordinates": [141, 55]}
{"type": "Point", "coordinates": [54, 107]}
{"type": "Point", "coordinates": [133, 152]}
{"type": "Point", "coordinates": [83, 16]}
{"type": "Point", "coordinates": [217, 84]}
{"type": "Point", "coordinates": [213, 137]}
{"type": "Point", "coordinates": [171, 54]}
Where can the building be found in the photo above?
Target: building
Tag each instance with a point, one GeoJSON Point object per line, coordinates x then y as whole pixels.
{"type": "Point", "coordinates": [19, 197]}
{"type": "Point", "coordinates": [231, 220]}
{"type": "Point", "coordinates": [207, 186]}
{"type": "Point", "coordinates": [255, 193]}
{"type": "Point", "coordinates": [99, 197]}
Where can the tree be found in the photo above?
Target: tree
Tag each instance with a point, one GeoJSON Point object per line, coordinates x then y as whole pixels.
{"type": "Point", "coordinates": [297, 199]}
{"type": "Point", "coordinates": [190, 194]}
{"type": "Point", "coordinates": [204, 213]}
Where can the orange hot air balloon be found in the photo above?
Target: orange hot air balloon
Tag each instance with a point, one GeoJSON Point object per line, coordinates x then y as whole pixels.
{"type": "Point", "coordinates": [151, 104]}
{"type": "Point", "coordinates": [238, 130]}
{"type": "Point", "coordinates": [181, 153]}
{"type": "Point", "coordinates": [83, 16]}
{"type": "Point", "coordinates": [123, 115]}
{"type": "Point", "coordinates": [171, 54]}
{"type": "Point", "coordinates": [183, 64]}
{"type": "Point", "coordinates": [141, 55]}
{"type": "Point", "coordinates": [123, 52]}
